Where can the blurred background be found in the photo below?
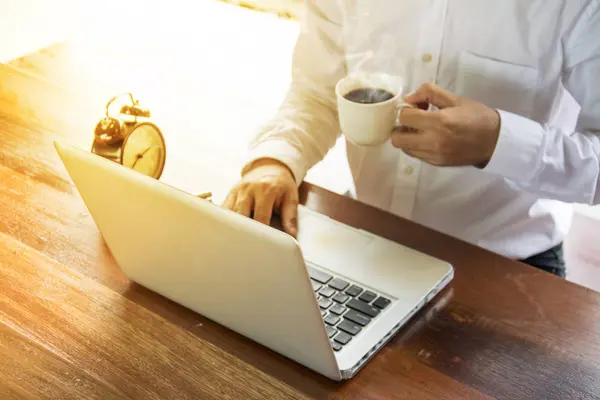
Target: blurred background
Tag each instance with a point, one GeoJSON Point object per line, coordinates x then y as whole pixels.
{"type": "Point", "coordinates": [284, 8]}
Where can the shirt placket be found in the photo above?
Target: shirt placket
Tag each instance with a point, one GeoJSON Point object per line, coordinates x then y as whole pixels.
{"type": "Point", "coordinates": [424, 70]}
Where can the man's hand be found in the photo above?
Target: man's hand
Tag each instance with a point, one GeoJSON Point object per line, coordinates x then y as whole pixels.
{"type": "Point", "coordinates": [266, 187]}
{"type": "Point", "coordinates": [461, 132]}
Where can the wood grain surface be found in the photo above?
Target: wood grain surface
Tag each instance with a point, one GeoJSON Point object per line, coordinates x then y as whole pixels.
{"type": "Point", "coordinates": [73, 326]}
{"type": "Point", "coordinates": [66, 336]}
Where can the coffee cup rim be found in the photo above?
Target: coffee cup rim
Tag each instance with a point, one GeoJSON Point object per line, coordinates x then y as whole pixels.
{"type": "Point", "coordinates": [397, 93]}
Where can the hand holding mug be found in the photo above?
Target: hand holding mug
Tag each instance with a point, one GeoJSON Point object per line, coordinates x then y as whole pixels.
{"type": "Point", "coordinates": [460, 132]}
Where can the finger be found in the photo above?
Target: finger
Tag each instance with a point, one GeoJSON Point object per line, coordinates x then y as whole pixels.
{"type": "Point", "coordinates": [432, 94]}
{"type": "Point", "coordinates": [229, 202]}
{"type": "Point", "coordinates": [289, 213]}
{"type": "Point", "coordinates": [405, 129]}
{"type": "Point", "coordinates": [418, 119]}
{"type": "Point", "coordinates": [263, 208]}
{"type": "Point", "coordinates": [422, 105]}
{"type": "Point", "coordinates": [429, 157]}
{"type": "Point", "coordinates": [420, 154]}
{"type": "Point", "coordinates": [409, 140]}
{"type": "Point", "coordinates": [243, 205]}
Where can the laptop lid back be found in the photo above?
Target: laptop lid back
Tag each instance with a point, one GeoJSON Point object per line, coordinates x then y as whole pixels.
{"type": "Point", "coordinates": [233, 270]}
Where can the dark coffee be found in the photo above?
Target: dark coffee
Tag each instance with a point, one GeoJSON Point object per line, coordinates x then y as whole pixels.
{"type": "Point", "coordinates": [369, 95]}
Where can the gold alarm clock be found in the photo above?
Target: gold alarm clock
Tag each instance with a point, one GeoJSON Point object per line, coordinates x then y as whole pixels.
{"type": "Point", "coordinates": [131, 139]}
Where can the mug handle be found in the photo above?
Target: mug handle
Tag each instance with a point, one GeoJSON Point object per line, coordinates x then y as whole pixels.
{"type": "Point", "coordinates": [400, 105]}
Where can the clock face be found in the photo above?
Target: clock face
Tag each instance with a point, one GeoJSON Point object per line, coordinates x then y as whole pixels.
{"type": "Point", "coordinates": [144, 150]}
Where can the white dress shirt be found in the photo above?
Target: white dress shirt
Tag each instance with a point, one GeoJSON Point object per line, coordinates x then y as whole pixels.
{"type": "Point", "coordinates": [536, 61]}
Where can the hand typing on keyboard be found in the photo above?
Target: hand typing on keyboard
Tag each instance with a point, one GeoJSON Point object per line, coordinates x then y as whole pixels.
{"type": "Point", "coordinates": [266, 186]}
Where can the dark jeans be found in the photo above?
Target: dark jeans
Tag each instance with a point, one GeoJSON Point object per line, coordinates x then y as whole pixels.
{"type": "Point", "coordinates": [551, 261]}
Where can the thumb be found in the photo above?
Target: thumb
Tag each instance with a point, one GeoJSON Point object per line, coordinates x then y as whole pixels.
{"type": "Point", "coordinates": [433, 94]}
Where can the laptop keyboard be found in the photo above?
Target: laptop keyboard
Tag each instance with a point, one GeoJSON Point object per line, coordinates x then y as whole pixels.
{"type": "Point", "coordinates": [346, 308]}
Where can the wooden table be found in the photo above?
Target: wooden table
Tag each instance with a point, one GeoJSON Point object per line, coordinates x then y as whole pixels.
{"type": "Point", "coordinates": [72, 325]}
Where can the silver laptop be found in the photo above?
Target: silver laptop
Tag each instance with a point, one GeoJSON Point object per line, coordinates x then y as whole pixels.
{"type": "Point", "coordinates": [328, 300]}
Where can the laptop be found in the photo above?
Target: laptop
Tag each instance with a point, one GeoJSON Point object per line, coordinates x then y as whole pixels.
{"type": "Point", "coordinates": [329, 300]}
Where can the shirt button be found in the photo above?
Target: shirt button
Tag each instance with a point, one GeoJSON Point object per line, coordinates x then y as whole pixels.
{"type": "Point", "coordinates": [427, 58]}
{"type": "Point", "coordinates": [408, 170]}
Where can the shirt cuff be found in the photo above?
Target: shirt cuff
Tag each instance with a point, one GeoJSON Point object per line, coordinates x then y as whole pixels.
{"type": "Point", "coordinates": [282, 151]}
{"type": "Point", "coordinates": [518, 148]}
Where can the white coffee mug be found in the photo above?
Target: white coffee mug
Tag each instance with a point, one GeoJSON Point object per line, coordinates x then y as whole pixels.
{"type": "Point", "coordinates": [369, 124]}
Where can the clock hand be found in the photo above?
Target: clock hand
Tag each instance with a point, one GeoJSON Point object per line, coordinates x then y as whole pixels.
{"type": "Point", "coordinates": [140, 156]}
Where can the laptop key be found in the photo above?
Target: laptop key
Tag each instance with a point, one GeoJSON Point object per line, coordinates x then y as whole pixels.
{"type": "Point", "coordinates": [339, 284]}
{"type": "Point", "coordinates": [368, 296]}
{"type": "Point", "coordinates": [354, 291]}
{"type": "Point", "coordinates": [349, 327]}
{"type": "Point", "coordinates": [316, 285]}
{"type": "Point", "coordinates": [327, 291]}
{"type": "Point", "coordinates": [357, 318]}
{"type": "Point", "coordinates": [325, 303]}
{"type": "Point", "coordinates": [323, 312]}
{"type": "Point", "coordinates": [332, 319]}
{"type": "Point", "coordinates": [336, 346]}
{"type": "Point", "coordinates": [342, 338]}
{"type": "Point", "coordinates": [319, 276]}
{"type": "Point", "coordinates": [363, 307]}
{"type": "Point", "coordinates": [338, 309]}
{"type": "Point", "coordinates": [341, 297]}
{"type": "Point", "coordinates": [330, 331]}
{"type": "Point", "coordinates": [381, 302]}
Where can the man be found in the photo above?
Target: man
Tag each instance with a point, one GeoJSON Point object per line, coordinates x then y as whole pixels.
{"type": "Point", "coordinates": [510, 138]}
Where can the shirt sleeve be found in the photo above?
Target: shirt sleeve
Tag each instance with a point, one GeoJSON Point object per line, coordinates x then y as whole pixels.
{"type": "Point", "coordinates": [554, 163]}
{"type": "Point", "coordinates": [306, 125]}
